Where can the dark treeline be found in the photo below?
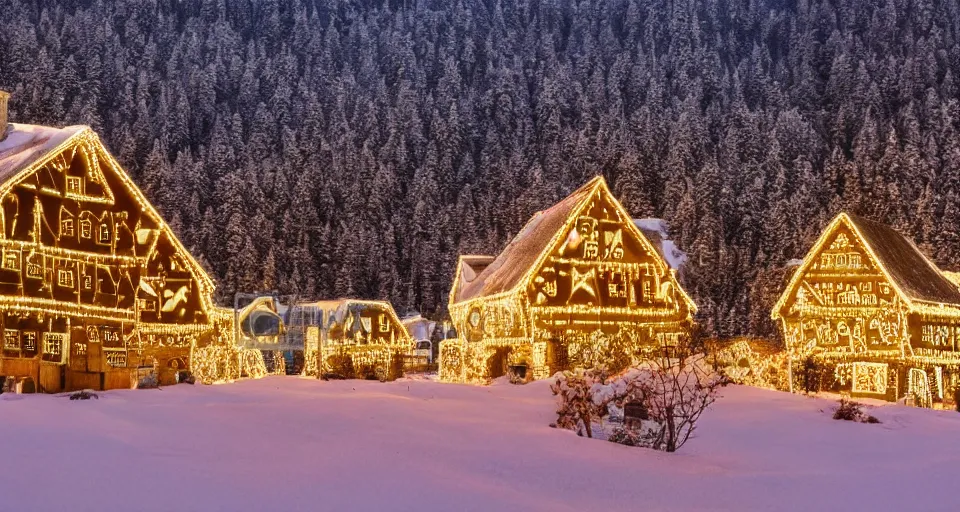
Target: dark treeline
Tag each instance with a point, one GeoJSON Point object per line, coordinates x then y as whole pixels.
{"type": "Point", "coordinates": [343, 148]}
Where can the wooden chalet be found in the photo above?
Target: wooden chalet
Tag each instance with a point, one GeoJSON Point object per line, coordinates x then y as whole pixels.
{"type": "Point", "coordinates": [867, 312]}
{"type": "Point", "coordinates": [355, 338]}
{"type": "Point", "coordinates": [94, 286]}
{"type": "Point", "coordinates": [579, 276]}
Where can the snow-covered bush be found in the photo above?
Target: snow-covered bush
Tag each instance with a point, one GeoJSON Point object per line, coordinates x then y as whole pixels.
{"type": "Point", "coordinates": [643, 434]}
{"type": "Point", "coordinates": [849, 410]}
{"type": "Point", "coordinates": [671, 391]}
{"type": "Point", "coordinates": [576, 406]}
{"type": "Point", "coordinates": [674, 392]}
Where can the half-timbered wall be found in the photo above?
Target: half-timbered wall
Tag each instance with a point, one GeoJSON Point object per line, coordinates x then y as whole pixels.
{"type": "Point", "coordinates": [603, 274]}
{"type": "Point", "coordinates": [845, 311]}
{"type": "Point", "coordinates": [89, 276]}
{"type": "Point", "coordinates": [597, 281]}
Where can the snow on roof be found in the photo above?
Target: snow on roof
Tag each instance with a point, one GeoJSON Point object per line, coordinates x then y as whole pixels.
{"type": "Point", "coordinates": [419, 327]}
{"type": "Point", "coordinates": [25, 144]}
{"type": "Point", "coordinates": [473, 265]}
{"type": "Point", "coordinates": [657, 232]}
{"type": "Point", "coordinates": [916, 275]}
{"type": "Point", "coordinates": [507, 269]}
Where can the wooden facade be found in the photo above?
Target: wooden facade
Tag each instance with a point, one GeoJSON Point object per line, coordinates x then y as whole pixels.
{"type": "Point", "coordinates": [355, 338]}
{"type": "Point", "coordinates": [94, 286]}
{"type": "Point", "coordinates": [578, 277]}
{"type": "Point", "coordinates": [867, 313]}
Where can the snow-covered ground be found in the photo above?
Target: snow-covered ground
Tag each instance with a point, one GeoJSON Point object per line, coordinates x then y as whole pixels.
{"type": "Point", "coordinates": [284, 443]}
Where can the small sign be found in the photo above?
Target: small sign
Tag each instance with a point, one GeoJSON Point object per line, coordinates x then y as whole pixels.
{"type": "Point", "coordinates": [11, 339]}
{"type": "Point", "coordinates": [117, 358]}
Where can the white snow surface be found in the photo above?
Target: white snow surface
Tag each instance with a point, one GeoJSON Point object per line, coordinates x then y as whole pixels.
{"type": "Point", "coordinates": [285, 443]}
{"type": "Point", "coordinates": [674, 256]}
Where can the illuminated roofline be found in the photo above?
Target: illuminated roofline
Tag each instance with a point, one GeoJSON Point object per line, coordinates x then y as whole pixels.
{"type": "Point", "coordinates": [386, 304]}
{"type": "Point", "coordinates": [649, 247]}
{"type": "Point", "coordinates": [205, 281]}
{"type": "Point", "coordinates": [594, 185]}
{"type": "Point", "coordinates": [844, 219]}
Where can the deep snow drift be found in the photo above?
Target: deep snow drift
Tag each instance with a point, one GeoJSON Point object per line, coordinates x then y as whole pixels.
{"type": "Point", "coordinates": [284, 443]}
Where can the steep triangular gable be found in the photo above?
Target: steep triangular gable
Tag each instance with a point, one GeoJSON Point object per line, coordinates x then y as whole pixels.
{"type": "Point", "coordinates": [523, 253]}
{"type": "Point", "coordinates": [841, 250]}
{"type": "Point", "coordinates": [72, 170]}
{"type": "Point", "coordinates": [600, 229]}
{"type": "Point", "coordinates": [204, 280]}
{"type": "Point", "coordinates": [79, 152]}
{"type": "Point", "coordinates": [469, 267]}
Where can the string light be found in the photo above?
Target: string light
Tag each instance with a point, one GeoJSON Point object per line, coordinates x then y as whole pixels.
{"type": "Point", "coordinates": [620, 296]}
{"type": "Point", "coordinates": [366, 334]}
{"type": "Point", "coordinates": [843, 309]}
{"type": "Point", "coordinates": [103, 268]}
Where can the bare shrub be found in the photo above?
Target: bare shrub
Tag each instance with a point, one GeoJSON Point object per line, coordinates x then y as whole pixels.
{"type": "Point", "coordinates": [576, 409]}
{"type": "Point", "coordinates": [675, 392]}
{"type": "Point", "coordinates": [849, 410]}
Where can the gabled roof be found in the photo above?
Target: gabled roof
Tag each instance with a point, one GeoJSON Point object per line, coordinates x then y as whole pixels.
{"type": "Point", "coordinates": [913, 275]}
{"type": "Point", "coordinates": [916, 276]}
{"type": "Point", "coordinates": [340, 308]}
{"type": "Point", "coordinates": [28, 148]}
{"type": "Point", "coordinates": [507, 270]}
{"type": "Point", "coordinates": [545, 230]}
{"type": "Point", "coordinates": [468, 268]}
{"type": "Point", "coordinates": [26, 144]}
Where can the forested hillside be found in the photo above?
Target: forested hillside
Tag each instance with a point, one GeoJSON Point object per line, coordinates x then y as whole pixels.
{"type": "Point", "coordinates": [344, 148]}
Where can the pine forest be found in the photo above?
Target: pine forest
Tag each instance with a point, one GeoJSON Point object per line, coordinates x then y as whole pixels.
{"type": "Point", "coordinates": [335, 148]}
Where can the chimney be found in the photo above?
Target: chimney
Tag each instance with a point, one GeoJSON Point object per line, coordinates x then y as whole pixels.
{"type": "Point", "coordinates": [4, 95]}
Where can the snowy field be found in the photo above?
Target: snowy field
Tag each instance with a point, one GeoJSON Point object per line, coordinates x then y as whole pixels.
{"type": "Point", "coordinates": [284, 443]}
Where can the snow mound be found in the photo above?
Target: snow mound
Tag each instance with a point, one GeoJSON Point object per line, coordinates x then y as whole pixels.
{"type": "Point", "coordinates": [285, 443]}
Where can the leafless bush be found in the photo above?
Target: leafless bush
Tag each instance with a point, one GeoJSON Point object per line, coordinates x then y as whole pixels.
{"type": "Point", "coordinates": [674, 389]}
{"type": "Point", "coordinates": [576, 409]}
{"type": "Point", "coordinates": [849, 410]}
{"type": "Point", "coordinates": [675, 392]}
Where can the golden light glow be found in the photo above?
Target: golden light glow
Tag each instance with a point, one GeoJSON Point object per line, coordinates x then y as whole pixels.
{"type": "Point", "coordinates": [91, 278]}
{"type": "Point", "coordinates": [844, 310]}
{"type": "Point", "coordinates": [597, 288]}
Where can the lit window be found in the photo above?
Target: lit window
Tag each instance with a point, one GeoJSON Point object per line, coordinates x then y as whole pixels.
{"type": "Point", "coordinates": [104, 237]}
{"type": "Point", "coordinates": [74, 185]}
{"type": "Point", "coordinates": [34, 271]}
{"type": "Point", "coordinates": [29, 341]}
{"type": "Point", "coordinates": [11, 260]}
{"type": "Point", "coordinates": [86, 228]}
{"type": "Point", "coordinates": [66, 227]}
{"type": "Point", "coordinates": [11, 339]}
{"type": "Point", "coordinates": [65, 278]}
{"type": "Point", "coordinates": [116, 358]}
{"type": "Point", "coordinates": [53, 343]}
{"type": "Point", "coordinates": [87, 282]}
